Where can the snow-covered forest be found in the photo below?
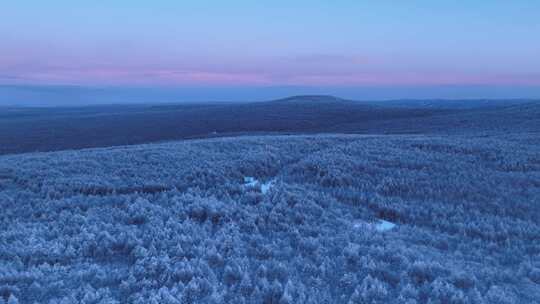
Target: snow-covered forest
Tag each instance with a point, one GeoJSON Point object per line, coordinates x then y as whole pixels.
{"type": "Point", "coordinates": [275, 219]}
{"type": "Point", "coordinates": [269, 152]}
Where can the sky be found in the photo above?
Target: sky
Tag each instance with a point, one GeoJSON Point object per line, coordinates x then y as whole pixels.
{"type": "Point", "coordinates": [479, 46]}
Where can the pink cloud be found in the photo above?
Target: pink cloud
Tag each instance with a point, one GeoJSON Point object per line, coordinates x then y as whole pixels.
{"type": "Point", "coordinates": [104, 76]}
{"type": "Point", "coordinates": [179, 77]}
{"type": "Point", "coordinates": [413, 79]}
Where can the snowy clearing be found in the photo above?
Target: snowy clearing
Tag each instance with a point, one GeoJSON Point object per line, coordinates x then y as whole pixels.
{"type": "Point", "coordinates": [264, 187]}
{"type": "Point", "coordinates": [383, 225]}
{"type": "Point", "coordinates": [380, 226]}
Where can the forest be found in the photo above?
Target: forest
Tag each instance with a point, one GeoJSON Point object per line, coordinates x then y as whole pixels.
{"type": "Point", "coordinates": [269, 152]}
{"type": "Point", "coordinates": [43, 129]}
{"type": "Point", "coordinates": [326, 218]}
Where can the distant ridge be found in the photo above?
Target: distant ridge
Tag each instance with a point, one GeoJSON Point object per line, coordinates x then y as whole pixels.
{"type": "Point", "coordinates": [310, 99]}
{"type": "Point", "coordinates": [46, 129]}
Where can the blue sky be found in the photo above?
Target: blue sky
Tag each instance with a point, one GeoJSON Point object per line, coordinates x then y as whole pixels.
{"type": "Point", "coordinates": [249, 44]}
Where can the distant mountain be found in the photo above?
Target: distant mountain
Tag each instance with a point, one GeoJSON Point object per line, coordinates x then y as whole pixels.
{"type": "Point", "coordinates": [313, 99]}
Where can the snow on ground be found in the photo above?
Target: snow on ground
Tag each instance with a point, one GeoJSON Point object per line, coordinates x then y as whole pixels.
{"type": "Point", "coordinates": [250, 181]}
{"type": "Point", "coordinates": [383, 225]}
{"type": "Point", "coordinates": [359, 224]}
{"type": "Point", "coordinates": [265, 187]}
{"type": "Point", "coordinates": [380, 226]}
{"type": "Point", "coordinates": [253, 182]}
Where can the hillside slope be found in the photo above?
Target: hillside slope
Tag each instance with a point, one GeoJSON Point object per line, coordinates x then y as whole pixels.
{"type": "Point", "coordinates": [49, 129]}
{"type": "Point", "coordinates": [288, 219]}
